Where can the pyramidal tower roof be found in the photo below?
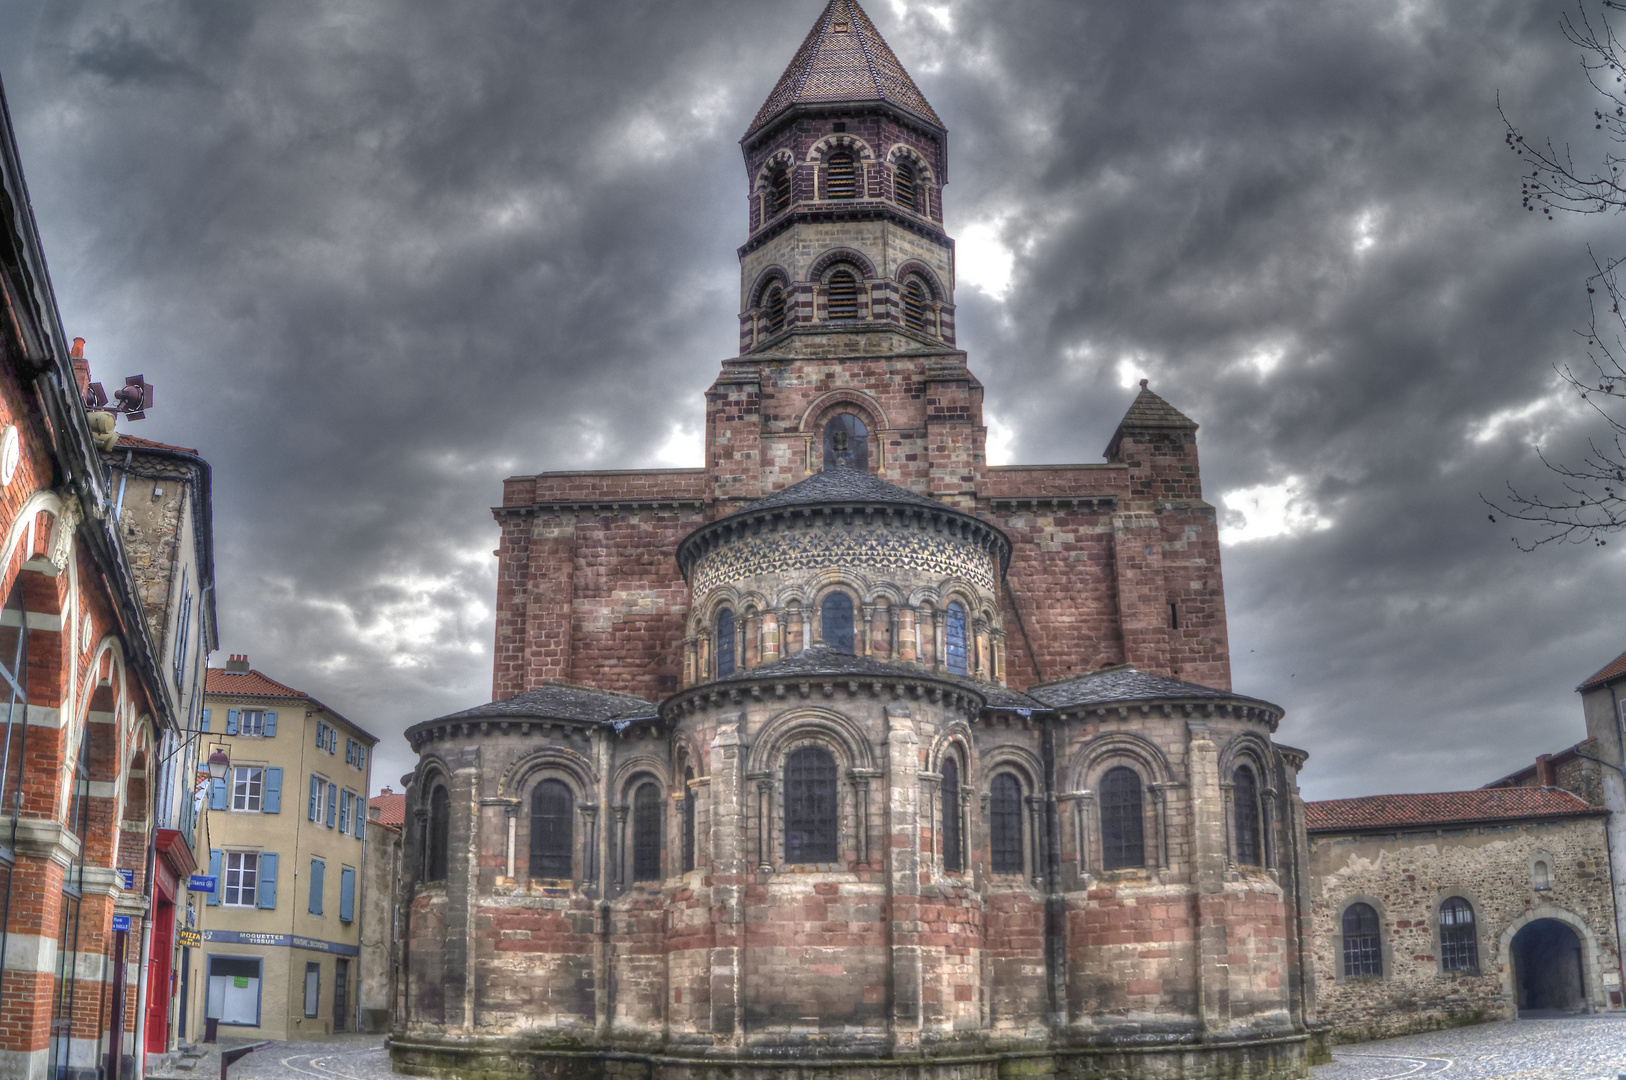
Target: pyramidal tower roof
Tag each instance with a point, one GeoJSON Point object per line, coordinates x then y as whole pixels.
{"type": "Point", "coordinates": [844, 59]}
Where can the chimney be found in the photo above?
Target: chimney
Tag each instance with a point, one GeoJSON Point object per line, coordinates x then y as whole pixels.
{"type": "Point", "coordinates": [81, 366]}
{"type": "Point", "coordinates": [1544, 771]}
{"type": "Point", "coordinates": [238, 664]}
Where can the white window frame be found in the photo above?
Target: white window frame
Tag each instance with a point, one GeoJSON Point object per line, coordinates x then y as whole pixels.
{"type": "Point", "coordinates": [322, 786]}
{"type": "Point", "coordinates": [251, 723]}
{"type": "Point", "coordinates": [251, 801]}
{"type": "Point", "coordinates": [232, 888]}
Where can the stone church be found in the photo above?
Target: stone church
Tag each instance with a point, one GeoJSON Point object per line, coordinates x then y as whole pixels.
{"type": "Point", "coordinates": [848, 754]}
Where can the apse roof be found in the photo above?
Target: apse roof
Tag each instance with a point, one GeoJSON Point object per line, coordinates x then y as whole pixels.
{"type": "Point", "coordinates": [559, 701]}
{"type": "Point", "coordinates": [844, 58]}
{"type": "Point", "coordinates": [1119, 684]}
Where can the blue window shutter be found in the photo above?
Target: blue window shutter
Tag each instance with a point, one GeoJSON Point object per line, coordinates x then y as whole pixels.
{"type": "Point", "coordinates": [316, 789]}
{"type": "Point", "coordinates": [321, 734]}
{"type": "Point", "coordinates": [317, 869]}
{"type": "Point", "coordinates": [347, 894]}
{"type": "Point", "coordinates": [231, 721]}
{"type": "Point", "coordinates": [268, 880]}
{"type": "Point", "coordinates": [349, 751]}
{"type": "Point", "coordinates": [361, 815]}
{"type": "Point", "coordinates": [270, 725]}
{"type": "Point", "coordinates": [214, 872]}
{"type": "Point", "coordinates": [332, 804]}
{"type": "Point", "coordinates": [217, 794]}
{"type": "Point", "coordinates": [205, 726]}
{"type": "Point", "coordinates": [361, 756]}
{"type": "Point", "coordinates": [271, 801]}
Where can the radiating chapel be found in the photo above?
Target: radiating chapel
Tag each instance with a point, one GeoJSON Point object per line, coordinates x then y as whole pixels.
{"type": "Point", "coordinates": [848, 754]}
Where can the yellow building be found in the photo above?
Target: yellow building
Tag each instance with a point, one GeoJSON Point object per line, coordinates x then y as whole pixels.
{"type": "Point", "coordinates": [281, 932]}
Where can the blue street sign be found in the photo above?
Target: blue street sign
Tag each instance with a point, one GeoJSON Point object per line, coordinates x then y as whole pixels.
{"type": "Point", "coordinates": [201, 883]}
{"type": "Point", "coordinates": [121, 922]}
{"type": "Point", "coordinates": [128, 878]}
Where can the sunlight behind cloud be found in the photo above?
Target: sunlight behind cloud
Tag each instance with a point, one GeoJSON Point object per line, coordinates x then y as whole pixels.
{"type": "Point", "coordinates": [982, 260]}
{"type": "Point", "coordinates": [683, 448]}
{"type": "Point", "coordinates": [1001, 439]}
{"type": "Point", "coordinates": [1267, 510]}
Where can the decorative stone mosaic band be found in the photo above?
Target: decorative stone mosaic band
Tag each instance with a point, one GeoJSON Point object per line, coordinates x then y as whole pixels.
{"type": "Point", "coordinates": [864, 550]}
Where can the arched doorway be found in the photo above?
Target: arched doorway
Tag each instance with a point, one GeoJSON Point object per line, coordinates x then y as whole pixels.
{"type": "Point", "coordinates": [1548, 969]}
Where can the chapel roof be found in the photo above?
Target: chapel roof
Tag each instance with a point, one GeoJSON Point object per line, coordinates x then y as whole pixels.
{"type": "Point", "coordinates": [1381, 812]}
{"type": "Point", "coordinates": [559, 701]}
{"type": "Point", "coordinates": [1611, 671]}
{"type": "Point", "coordinates": [1122, 684]}
{"type": "Point", "coordinates": [844, 58]}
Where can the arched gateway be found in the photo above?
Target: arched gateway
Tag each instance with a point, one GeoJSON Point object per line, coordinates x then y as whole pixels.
{"type": "Point", "coordinates": [848, 752]}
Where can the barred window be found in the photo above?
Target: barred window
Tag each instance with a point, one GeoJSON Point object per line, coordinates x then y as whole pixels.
{"type": "Point", "coordinates": [774, 305]}
{"type": "Point", "coordinates": [1123, 820]}
{"type": "Point", "coordinates": [779, 190]}
{"type": "Point", "coordinates": [954, 642]}
{"type": "Point", "coordinates": [810, 806]}
{"type": "Point", "coordinates": [1459, 943]}
{"type": "Point", "coordinates": [904, 185]}
{"type": "Point", "coordinates": [953, 859]}
{"type": "Point", "coordinates": [439, 825]}
{"type": "Point", "coordinates": [840, 176]}
{"type": "Point", "coordinates": [846, 442]}
{"type": "Point", "coordinates": [914, 304]}
{"type": "Point", "coordinates": [688, 820]}
{"type": "Point", "coordinates": [842, 296]}
{"type": "Point", "coordinates": [836, 615]}
{"type": "Point", "coordinates": [725, 642]}
{"type": "Point", "coordinates": [1005, 824]}
{"type": "Point", "coordinates": [552, 830]}
{"type": "Point", "coordinates": [1363, 949]}
{"type": "Point", "coordinates": [646, 833]}
{"type": "Point", "coordinates": [1245, 796]}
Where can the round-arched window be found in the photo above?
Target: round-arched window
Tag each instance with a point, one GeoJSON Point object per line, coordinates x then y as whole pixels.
{"type": "Point", "coordinates": [840, 176]}
{"type": "Point", "coordinates": [773, 308]}
{"type": "Point", "coordinates": [954, 638]}
{"type": "Point", "coordinates": [1363, 945]}
{"type": "Point", "coordinates": [846, 442]}
{"type": "Point", "coordinates": [841, 293]}
{"type": "Point", "coordinates": [1459, 944]}
{"type": "Point", "coordinates": [1005, 824]}
{"type": "Point", "coordinates": [904, 184]}
{"type": "Point", "coordinates": [725, 642]}
{"type": "Point", "coordinates": [953, 857]}
{"type": "Point", "coordinates": [811, 822]}
{"type": "Point", "coordinates": [1123, 823]}
{"type": "Point", "coordinates": [836, 619]}
{"type": "Point", "coordinates": [1245, 794]}
{"type": "Point", "coordinates": [551, 830]}
{"type": "Point", "coordinates": [779, 190]}
{"type": "Point", "coordinates": [915, 299]}
{"type": "Point", "coordinates": [439, 826]}
{"type": "Point", "coordinates": [646, 833]}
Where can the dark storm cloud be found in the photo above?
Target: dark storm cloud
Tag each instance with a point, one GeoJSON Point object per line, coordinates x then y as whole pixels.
{"type": "Point", "coordinates": [376, 256]}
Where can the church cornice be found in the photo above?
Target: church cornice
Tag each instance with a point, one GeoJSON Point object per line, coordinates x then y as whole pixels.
{"type": "Point", "coordinates": [854, 210]}
{"type": "Point", "coordinates": [902, 686]}
{"type": "Point", "coordinates": [596, 506]}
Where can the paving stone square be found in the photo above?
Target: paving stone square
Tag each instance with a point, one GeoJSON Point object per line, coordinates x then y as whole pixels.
{"type": "Point", "coordinates": [1580, 1048]}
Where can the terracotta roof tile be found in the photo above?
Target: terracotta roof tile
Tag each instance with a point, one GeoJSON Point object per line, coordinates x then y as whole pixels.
{"type": "Point", "coordinates": [844, 58]}
{"type": "Point", "coordinates": [1611, 671]}
{"type": "Point", "coordinates": [138, 443]}
{"type": "Point", "coordinates": [1444, 808]}
{"type": "Point", "coordinates": [246, 684]}
{"type": "Point", "coordinates": [391, 808]}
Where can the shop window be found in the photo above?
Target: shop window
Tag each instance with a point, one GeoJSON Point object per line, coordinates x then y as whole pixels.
{"type": "Point", "coordinates": [234, 991]}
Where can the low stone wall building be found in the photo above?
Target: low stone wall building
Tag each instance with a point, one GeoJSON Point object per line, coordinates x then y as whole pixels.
{"type": "Point", "coordinates": [1456, 907]}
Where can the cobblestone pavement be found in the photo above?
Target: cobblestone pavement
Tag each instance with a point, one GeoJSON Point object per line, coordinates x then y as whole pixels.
{"type": "Point", "coordinates": [343, 1057]}
{"type": "Point", "coordinates": [1583, 1048]}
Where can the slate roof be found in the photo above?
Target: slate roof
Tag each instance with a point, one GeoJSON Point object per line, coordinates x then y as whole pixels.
{"type": "Point", "coordinates": [391, 808]}
{"type": "Point", "coordinates": [558, 701]}
{"type": "Point", "coordinates": [1444, 808]}
{"type": "Point", "coordinates": [844, 59]}
{"type": "Point", "coordinates": [1150, 411]}
{"type": "Point", "coordinates": [820, 660]}
{"type": "Point", "coordinates": [1610, 672]}
{"type": "Point", "coordinates": [246, 684]}
{"type": "Point", "coordinates": [841, 485]}
{"type": "Point", "coordinates": [1127, 684]}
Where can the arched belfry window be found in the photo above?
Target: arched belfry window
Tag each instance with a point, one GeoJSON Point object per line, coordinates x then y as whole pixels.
{"type": "Point", "coordinates": [906, 186]}
{"type": "Point", "coordinates": [841, 296]}
{"type": "Point", "coordinates": [953, 856]}
{"type": "Point", "coordinates": [773, 308]}
{"type": "Point", "coordinates": [646, 833]}
{"type": "Point", "coordinates": [725, 642]}
{"type": "Point", "coordinates": [954, 638]}
{"type": "Point", "coordinates": [1005, 824]}
{"type": "Point", "coordinates": [1363, 946]}
{"type": "Point", "coordinates": [915, 299]}
{"type": "Point", "coordinates": [846, 442]}
{"type": "Point", "coordinates": [1245, 795]}
{"type": "Point", "coordinates": [438, 832]}
{"type": "Point", "coordinates": [688, 820]}
{"type": "Point", "coordinates": [836, 619]}
{"type": "Point", "coordinates": [840, 176]}
{"type": "Point", "coordinates": [1459, 943]}
{"type": "Point", "coordinates": [779, 190]}
{"type": "Point", "coordinates": [810, 806]}
{"type": "Point", "coordinates": [1123, 820]}
{"type": "Point", "coordinates": [552, 809]}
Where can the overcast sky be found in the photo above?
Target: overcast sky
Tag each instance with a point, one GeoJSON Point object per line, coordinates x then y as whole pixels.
{"type": "Point", "coordinates": [378, 254]}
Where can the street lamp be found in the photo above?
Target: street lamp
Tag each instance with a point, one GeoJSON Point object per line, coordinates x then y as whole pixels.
{"type": "Point", "coordinates": [219, 763]}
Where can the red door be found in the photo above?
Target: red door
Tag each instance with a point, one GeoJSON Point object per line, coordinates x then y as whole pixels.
{"type": "Point", "coordinates": [162, 956]}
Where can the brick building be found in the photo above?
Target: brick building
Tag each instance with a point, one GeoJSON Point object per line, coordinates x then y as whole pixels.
{"type": "Point", "coordinates": [849, 746]}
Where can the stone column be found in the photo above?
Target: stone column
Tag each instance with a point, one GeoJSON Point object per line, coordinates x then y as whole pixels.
{"type": "Point", "coordinates": [903, 878]}
{"type": "Point", "coordinates": [1267, 827]}
{"type": "Point", "coordinates": [1160, 804]}
{"type": "Point", "coordinates": [750, 631]}
{"type": "Point", "coordinates": [866, 628]}
{"type": "Point", "coordinates": [770, 637]}
{"type": "Point", "coordinates": [794, 624]}
{"type": "Point", "coordinates": [703, 659]}
{"type": "Point", "coordinates": [729, 874]}
{"type": "Point", "coordinates": [690, 661]}
{"type": "Point", "coordinates": [763, 806]}
{"type": "Point", "coordinates": [589, 812]}
{"type": "Point", "coordinates": [1083, 827]}
{"type": "Point", "coordinates": [908, 642]}
{"type": "Point", "coordinates": [861, 783]}
{"type": "Point", "coordinates": [511, 812]}
{"type": "Point", "coordinates": [1207, 826]}
{"type": "Point", "coordinates": [880, 631]}
{"type": "Point", "coordinates": [618, 851]}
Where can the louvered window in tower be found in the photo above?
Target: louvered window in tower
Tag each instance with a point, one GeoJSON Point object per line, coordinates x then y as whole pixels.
{"type": "Point", "coordinates": [646, 833]}
{"type": "Point", "coordinates": [779, 191]}
{"type": "Point", "coordinates": [1005, 824]}
{"type": "Point", "coordinates": [688, 821]}
{"type": "Point", "coordinates": [842, 293]}
{"type": "Point", "coordinates": [551, 810]}
{"type": "Point", "coordinates": [725, 642]}
{"type": "Point", "coordinates": [836, 622]}
{"type": "Point", "coordinates": [1459, 944]}
{"type": "Point", "coordinates": [954, 638]}
{"type": "Point", "coordinates": [914, 305]}
{"type": "Point", "coordinates": [1363, 948]}
{"type": "Point", "coordinates": [952, 848]}
{"type": "Point", "coordinates": [774, 308]}
{"type": "Point", "coordinates": [840, 177]}
{"type": "Point", "coordinates": [810, 806]}
{"type": "Point", "coordinates": [1123, 824]}
{"type": "Point", "coordinates": [904, 184]}
{"type": "Point", "coordinates": [438, 825]}
{"type": "Point", "coordinates": [1245, 796]}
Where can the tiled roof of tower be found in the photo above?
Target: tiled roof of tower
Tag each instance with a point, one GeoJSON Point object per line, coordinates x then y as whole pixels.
{"type": "Point", "coordinates": [840, 485]}
{"type": "Point", "coordinates": [246, 684]}
{"type": "Point", "coordinates": [1150, 411]}
{"type": "Point", "coordinates": [557, 701]}
{"type": "Point", "coordinates": [844, 59]}
{"type": "Point", "coordinates": [1611, 671]}
{"type": "Point", "coordinates": [1127, 684]}
{"type": "Point", "coordinates": [1444, 808]}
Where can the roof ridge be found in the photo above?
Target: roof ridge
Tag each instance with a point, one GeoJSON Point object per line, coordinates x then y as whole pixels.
{"type": "Point", "coordinates": [821, 26]}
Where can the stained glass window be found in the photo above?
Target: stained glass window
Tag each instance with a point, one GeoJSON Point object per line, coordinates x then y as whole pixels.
{"type": "Point", "coordinates": [1123, 821]}
{"type": "Point", "coordinates": [954, 638]}
{"type": "Point", "coordinates": [1005, 825]}
{"type": "Point", "coordinates": [646, 833]}
{"type": "Point", "coordinates": [953, 859]}
{"type": "Point", "coordinates": [810, 806]}
{"type": "Point", "coordinates": [836, 615]}
{"type": "Point", "coordinates": [552, 830]}
{"type": "Point", "coordinates": [1245, 794]}
{"type": "Point", "coordinates": [725, 642]}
